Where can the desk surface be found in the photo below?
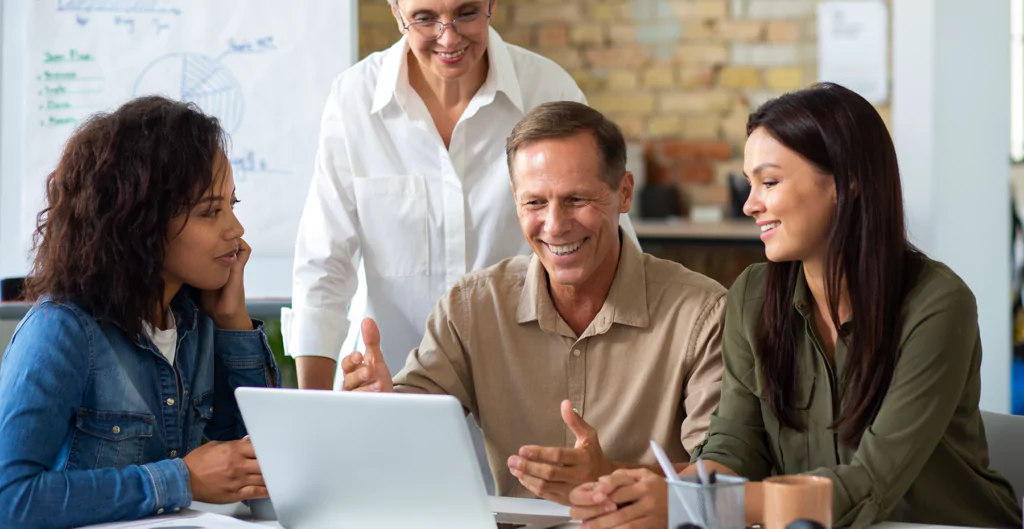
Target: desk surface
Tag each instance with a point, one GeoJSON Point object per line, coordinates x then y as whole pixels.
{"type": "Point", "coordinates": [240, 511]}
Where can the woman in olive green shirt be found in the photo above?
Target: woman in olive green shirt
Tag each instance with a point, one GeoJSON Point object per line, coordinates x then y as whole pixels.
{"type": "Point", "coordinates": [849, 354]}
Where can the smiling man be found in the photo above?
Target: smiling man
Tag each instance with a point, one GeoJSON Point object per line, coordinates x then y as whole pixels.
{"type": "Point", "coordinates": [573, 358]}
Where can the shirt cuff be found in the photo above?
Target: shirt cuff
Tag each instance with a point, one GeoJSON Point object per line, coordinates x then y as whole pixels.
{"type": "Point", "coordinates": [313, 332]}
{"type": "Point", "coordinates": [169, 482]}
{"type": "Point", "coordinates": [243, 348]}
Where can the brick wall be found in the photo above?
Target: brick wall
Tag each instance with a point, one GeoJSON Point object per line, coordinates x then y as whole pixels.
{"type": "Point", "coordinates": [680, 76]}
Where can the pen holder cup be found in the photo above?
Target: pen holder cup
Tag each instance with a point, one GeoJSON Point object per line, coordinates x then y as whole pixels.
{"type": "Point", "coordinates": [717, 506]}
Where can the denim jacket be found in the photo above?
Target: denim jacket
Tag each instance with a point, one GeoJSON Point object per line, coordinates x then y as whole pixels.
{"type": "Point", "coordinates": [93, 424]}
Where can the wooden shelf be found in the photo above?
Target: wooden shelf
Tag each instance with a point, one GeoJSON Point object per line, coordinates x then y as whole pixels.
{"type": "Point", "coordinates": [741, 230]}
{"type": "Point", "coordinates": [257, 308]}
{"type": "Point", "coordinates": [733, 231]}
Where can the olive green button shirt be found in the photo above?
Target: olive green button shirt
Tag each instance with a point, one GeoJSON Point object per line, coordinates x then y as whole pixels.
{"type": "Point", "coordinates": [925, 457]}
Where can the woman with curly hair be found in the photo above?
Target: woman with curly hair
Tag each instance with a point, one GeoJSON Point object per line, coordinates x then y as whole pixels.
{"type": "Point", "coordinates": [139, 333]}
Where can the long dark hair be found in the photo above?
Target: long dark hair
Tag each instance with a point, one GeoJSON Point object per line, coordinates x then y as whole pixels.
{"type": "Point", "coordinates": [122, 177]}
{"type": "Point", "coordinates": [842, 134]}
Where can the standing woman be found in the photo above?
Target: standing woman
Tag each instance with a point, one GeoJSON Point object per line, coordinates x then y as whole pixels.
{"type": "Point", "coordinates": [411, 177]}
{"type": "Point", "coordinates": [128, 360]}
{"type": "Point", "coordinates": [850, 354]}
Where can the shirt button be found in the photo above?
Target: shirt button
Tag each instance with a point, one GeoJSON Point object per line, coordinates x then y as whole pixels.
{"type": "Point", "coordinates": [174, 453]}
{"type": "Point", "coordinates": [159, 511]}
{"type": "Point", "coordinates": [170, 402]}
{"type": "Point", "coordinates": [576, 411]}
{"type": "Point", "coordinates": [576, 352]}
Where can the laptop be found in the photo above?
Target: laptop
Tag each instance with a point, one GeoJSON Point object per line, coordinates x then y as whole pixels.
{"type": "Point", "coordinates": [372, 460]}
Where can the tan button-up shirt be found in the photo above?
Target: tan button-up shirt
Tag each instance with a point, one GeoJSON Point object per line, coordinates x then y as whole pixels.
{"type": "Point", "coordinates": [648, 366]}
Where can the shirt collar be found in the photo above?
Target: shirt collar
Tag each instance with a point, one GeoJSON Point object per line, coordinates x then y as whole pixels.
{"type": "Point", "coordinates": [626, 303]}
{"type": "Point", "coordinates": [185, 309]}
{"type": "Point", "coordinates": [186, 315]}
{"type": "Point", "coordinates": [392, 68]}
{"type": "Point", "coordinates": [803, 301]}
{"type": "Point", "coordinates": [393, 78]}
{"type": "Point", "coordinates": [503, 71]}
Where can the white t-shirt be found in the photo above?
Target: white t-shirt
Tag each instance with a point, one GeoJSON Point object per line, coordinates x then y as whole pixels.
{"type": "Point", "coordinates": [165, 341]}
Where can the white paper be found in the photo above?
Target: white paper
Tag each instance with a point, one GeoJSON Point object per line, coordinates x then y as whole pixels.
{"type": "Point", "coordinates": [263, 67]}
{"type": "Point", "coordinates": [853, 47]}
{"type": "Point", "coordinates": [187, 519]}
{"type": "Point", "coordinates": [530, 513]}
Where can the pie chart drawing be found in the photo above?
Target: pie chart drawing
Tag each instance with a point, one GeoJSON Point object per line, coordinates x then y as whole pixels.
{"type": "Point", "coordinates": [200, 79]}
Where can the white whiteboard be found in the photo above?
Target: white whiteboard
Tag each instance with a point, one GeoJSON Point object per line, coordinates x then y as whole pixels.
{"type": "Point", "coordinates": [264, 67]}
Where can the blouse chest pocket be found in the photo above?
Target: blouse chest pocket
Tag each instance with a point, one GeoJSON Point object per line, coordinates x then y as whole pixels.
{"type": "Point", "coordinates": [789, 445]}
{"type": "Point", "coordinates": [109, 439]}
{"type": "Point", "coordinates": [393, 224]}
{"type": "Point", "coordinates": [202, 413]}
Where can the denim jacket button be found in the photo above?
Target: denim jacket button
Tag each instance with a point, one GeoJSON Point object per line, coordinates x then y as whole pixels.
{"type": "Point", "coordinates": [116, 430]}
{"type": "Point", "coordinates": [174, 453]}
{"type": "Point", "coordinates": [170, 402]}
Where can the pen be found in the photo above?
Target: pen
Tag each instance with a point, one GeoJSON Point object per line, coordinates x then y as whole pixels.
{"type": "Point", "coordinates": [671, 475]}
{"type": "Point", "coordinates": [706, 481]}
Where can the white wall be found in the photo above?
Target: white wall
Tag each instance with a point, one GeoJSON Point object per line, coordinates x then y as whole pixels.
{"type": "Point", "coordinates": [951, 126]}
{"type": "Point", "coordinates": [12, 256]}
{"type": "Point", "coordinates": [9, 192]}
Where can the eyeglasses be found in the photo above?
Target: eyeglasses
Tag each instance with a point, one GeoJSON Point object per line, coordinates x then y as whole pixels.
{"type": "Point", "coordinates": [433, 29]}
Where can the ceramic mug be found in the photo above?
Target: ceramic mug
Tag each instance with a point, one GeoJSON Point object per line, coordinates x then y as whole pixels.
{"type": "Point", "coordinates": [791, 498]}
